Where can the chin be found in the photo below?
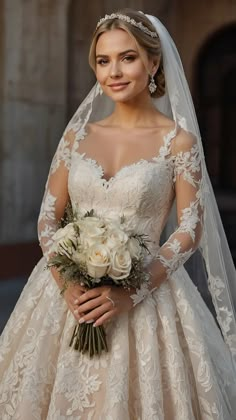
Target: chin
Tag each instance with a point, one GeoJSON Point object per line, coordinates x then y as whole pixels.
{"type": "Point", "coordinates": [126, 96]}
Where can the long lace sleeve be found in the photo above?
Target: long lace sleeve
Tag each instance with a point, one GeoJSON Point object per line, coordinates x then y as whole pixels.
{"type": "Point", "coordinates": [56, 193]}
{"type": "Point", "coordinates": [185, 239]}
{"type": "Point", "coordinates": [188, 186]}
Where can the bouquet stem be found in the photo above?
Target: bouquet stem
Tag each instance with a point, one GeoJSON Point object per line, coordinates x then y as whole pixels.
{"type": "Point", "coordinates": [89, 339]}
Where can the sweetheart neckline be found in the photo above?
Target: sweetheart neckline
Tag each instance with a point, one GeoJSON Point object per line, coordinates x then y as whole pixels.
{"type": "Point", "coordinates": [107, 182]}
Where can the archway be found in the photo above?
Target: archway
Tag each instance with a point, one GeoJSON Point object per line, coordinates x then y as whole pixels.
{"type": "Point", "coordinates": [215, 95]}
{"type": "Point", "coordinates": [216, 102]}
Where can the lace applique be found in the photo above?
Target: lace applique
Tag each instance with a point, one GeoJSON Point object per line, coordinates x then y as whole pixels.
{"type": "Point", "coordinates": [47, 223]}
{"type": "Point", "coordinates": [224, 315]}
{"type": "Point", "coordinates": [177, 259]}
{"type": "Point", "coordinates": [188, 164]}
{"type": "Point", "coordinates": [56, 192]}
{"type": "Point", "coordinates": [183, 242]}
{"type": "Point", "coordinates": [190, 219]}
{"type": "Point", "coordinates": [141, 293]}
{"type": "Point", "coordinates": [63, 154]}
{"type": "Point", "coordinates": [48, 210]}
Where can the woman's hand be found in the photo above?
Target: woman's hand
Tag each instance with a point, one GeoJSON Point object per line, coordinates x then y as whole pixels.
{"type": "Point", "coordinates": [102, 303]}
{"type": "Point", "coordinates": [72, 295]}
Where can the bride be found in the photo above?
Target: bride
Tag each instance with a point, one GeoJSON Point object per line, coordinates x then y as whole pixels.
{"type": "Point", "coordinates": [133, 148]}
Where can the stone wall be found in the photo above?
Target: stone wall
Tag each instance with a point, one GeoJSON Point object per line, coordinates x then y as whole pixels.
{"type": "Point", "coordinates": [191, 23]}
{"type": "Point", "coordinates": [33, 102]}
{"type": "Point", "coordinates": [43, 60]}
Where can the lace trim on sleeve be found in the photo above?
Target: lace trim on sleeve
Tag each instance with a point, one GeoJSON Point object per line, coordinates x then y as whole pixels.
{"type": "Point", "coordinates": [56, 193]}
{"type": "Point", "coordinates": [184, 241]}
{"type": "Point", "coordinates": [63, 154]}
{"type": "Point", "coordinates": [47, 223]}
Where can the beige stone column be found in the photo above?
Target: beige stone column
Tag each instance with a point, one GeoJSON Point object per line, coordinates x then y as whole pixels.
{"type": "Point", "coordinates": [33, 99]}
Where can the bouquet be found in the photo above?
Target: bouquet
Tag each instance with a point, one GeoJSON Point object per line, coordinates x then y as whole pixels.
{"type": "Point", "coordinates": [95, 251]}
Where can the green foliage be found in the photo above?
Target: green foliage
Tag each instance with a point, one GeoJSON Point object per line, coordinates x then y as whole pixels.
{"type": "Point", "coordinates": [90, 213]}
{"type": "Point", "coordinates": [68, 216]}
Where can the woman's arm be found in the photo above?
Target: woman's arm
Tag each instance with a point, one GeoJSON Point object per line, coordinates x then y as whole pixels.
{"type": "Point", "coordinates": [55, 197]}
{"type": "Point", "coordinates": [189, 202]}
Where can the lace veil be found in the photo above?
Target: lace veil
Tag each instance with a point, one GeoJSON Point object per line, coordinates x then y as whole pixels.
{"type": "Point", "coordinates": [212, 263]}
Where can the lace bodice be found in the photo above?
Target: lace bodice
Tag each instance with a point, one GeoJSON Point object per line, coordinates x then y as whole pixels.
{"type": "Point", "coordinates": [143, 192]}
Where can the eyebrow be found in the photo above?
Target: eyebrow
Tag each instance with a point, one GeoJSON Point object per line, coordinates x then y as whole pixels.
{"type": "Point", "coordinates": [120, 54]}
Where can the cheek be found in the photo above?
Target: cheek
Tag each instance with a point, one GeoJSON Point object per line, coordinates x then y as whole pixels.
{"type": "Point", "coordinates": [101, 74]}
{"type": "Point", "coordinates": [140, 78]}
{"type": "Point", "coordinates": [138, 73]}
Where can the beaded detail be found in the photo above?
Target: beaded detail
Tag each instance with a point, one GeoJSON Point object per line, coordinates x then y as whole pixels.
{"type": "Point", "coordinates": [127, 19]}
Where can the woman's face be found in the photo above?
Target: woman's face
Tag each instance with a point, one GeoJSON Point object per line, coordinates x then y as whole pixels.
{"type": "Point", "coordinates": [122, 73]}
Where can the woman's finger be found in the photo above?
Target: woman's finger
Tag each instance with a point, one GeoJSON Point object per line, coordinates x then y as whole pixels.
{"type": "Point", "coordinates": [90, 294]}
{"type": "Point", "coordinates": [91, 304]}
{"type": "Point", "coordinates": [104, 318]}
{"type": "Point", "coordinates": [95, 313]}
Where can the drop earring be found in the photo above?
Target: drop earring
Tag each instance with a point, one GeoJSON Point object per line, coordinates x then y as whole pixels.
{"type": "Point", "coordinates": [100, 91]}
{"type": "Point", "coordinates": [152, 85]}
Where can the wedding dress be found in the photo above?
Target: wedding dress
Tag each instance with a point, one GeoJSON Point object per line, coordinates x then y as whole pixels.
{"type": "Point", "coordinates": [167, 359]}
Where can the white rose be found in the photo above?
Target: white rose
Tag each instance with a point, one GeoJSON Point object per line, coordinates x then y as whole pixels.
{"type": "Point", "coordinates": [78, 257]}
{"type": "Point", "coordinates": [91, 221]}
{"type": "Point", "coordinates": [116, 238]}
{"type": "Point", "coordinates": [98, 261]}
{"type": "Point", "coordinates": [92, 231]}
{"type": "Point", "coordinates": [120, 264]}
{"type": "Point", "coordinates": [67, 232]}
{"type": "Point", "coordinates": [65, 240]}
{"type": "Point", "coordinates": [134, 248]}
{"type": "Point", "coordinates": [113, 221]}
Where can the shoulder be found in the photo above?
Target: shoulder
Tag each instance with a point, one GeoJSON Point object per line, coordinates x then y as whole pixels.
{"type": "Point", "coordinates": [96, 125]}
{"type": "Point", "coordinates": [184, 141]}
{"type": "Point", "coordinates": [69, 136]}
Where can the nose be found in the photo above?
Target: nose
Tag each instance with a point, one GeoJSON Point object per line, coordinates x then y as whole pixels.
{"type": "Point", "coordinates": [115, 70]}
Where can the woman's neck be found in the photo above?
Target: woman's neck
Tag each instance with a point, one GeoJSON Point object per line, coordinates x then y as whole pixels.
{"type": "Point", "coordinates": [136, 113]}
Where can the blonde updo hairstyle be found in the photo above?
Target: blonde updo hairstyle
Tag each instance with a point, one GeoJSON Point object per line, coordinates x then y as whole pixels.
{"type": "Point", "coordinates": [151, 45]}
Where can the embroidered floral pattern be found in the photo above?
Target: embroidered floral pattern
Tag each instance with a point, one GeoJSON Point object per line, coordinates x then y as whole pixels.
{"type": "Point", "coordinates": [164, 354]}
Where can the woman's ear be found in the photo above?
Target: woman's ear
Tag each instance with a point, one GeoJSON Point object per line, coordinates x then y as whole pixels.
{"type": "Point", "coordinates": [155, 62]}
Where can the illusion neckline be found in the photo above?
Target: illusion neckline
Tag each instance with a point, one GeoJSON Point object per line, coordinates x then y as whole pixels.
{"type": "Point", "coordinates": [163, 152]}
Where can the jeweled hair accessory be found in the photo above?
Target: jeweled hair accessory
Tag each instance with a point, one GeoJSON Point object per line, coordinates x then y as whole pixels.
{"type": "Point", "coordinates": [127, 19]}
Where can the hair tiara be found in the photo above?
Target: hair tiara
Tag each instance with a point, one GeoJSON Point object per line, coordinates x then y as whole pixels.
{"type": "Point", "coordinates": [127, 19]}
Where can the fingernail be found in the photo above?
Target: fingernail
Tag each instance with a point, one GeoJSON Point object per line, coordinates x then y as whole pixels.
{"type": "Point", "coordinates": [76, 311]}
{"type": "Point", "coordinates": [81, 284]}
{"type": "Point", "coordinates": [94, 325]}
{"type": "Point", "coordinates": [90, 321]}
{"type": "Point", "coordinates": [76, 301]}
{"type": "Point", "coordinates": [81, 320]}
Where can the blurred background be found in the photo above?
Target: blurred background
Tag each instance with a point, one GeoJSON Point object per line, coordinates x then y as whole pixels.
{"type": "Point", "coordinates": [44, 75]}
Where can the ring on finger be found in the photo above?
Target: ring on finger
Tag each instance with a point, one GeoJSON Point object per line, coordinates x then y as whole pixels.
{"type": "Point", "coordinates": [111, 300]}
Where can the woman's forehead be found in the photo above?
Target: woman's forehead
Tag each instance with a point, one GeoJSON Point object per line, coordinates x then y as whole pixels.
{"type": "Point", "coordinates": [115, 40]}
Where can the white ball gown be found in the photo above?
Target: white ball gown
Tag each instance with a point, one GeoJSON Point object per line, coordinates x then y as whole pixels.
{"type": "Point", "coordinates": [167, 359]}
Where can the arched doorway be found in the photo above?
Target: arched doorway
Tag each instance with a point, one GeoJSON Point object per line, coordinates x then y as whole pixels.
{"type": "Point", "coordinates": [215, 95]}
{"type": "Point", "coordinates": [216, 104]}
{"type": "Point", "coordinates": [81, 23]}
